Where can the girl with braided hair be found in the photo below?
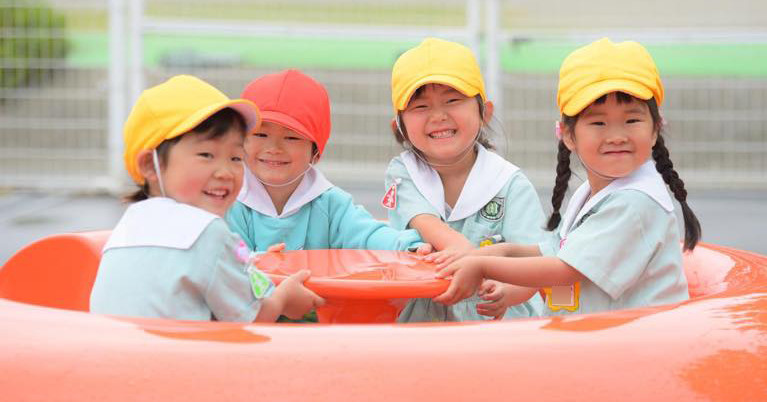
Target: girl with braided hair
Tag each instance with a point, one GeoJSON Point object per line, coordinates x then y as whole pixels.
{"type": "Point", "coordinates": [617, 244]}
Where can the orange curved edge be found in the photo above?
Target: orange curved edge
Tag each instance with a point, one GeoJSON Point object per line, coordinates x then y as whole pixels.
{"type": "Point", "coordinates": [713, 347]}
{"type": "Point", "coordinates": [56, 271]}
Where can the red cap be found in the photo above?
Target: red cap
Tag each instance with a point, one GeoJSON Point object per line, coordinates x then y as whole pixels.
{"type": "Point", "coordinates": [294, 100]}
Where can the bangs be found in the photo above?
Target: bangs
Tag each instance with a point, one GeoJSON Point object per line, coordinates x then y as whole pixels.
{"type": "Point", "coordinates": [219, 124]}
{"type": "Point", "coordinates": [621, 97]}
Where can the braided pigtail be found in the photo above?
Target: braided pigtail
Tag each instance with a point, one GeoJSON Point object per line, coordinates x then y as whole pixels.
{"type": "Point", "coordinates": [560, 185]}
{"type": "Point", "coordinates": [666, 168]}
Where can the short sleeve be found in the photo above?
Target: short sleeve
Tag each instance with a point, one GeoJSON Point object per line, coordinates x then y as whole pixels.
{"type": "Point", "coordinates": [523, 217]}
{"type": "Point", "coordinates": [549, 245]}
{"type": "Point", "coordinates": [410, 201]}
{"type": "Point", "coordinates": [352, 226]}
{"type": "Point", "coordinates": [609, 247]}
{"type": "Point", "coordinates": [228, 294]}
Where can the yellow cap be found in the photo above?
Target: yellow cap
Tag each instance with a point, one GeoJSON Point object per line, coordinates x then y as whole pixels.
{"type": "Point", "coordinates": [173, 108]}
{"type": "Point", "coordinates": [435, 61]}
{"type": "Point", "coordinates": [603, 67]}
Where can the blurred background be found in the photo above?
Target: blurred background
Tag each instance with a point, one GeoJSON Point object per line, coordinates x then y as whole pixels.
{"type": "Point", "coordinates": [71, 69]}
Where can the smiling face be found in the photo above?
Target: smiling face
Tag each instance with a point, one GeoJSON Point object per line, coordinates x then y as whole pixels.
{"type": "Point", "coordinates": [277, 155]}
{"type": "Point", "coordinates": [612, 138]}
{"type": "Point", "coordinates": [205, 172]}
{"type": "Point", "coordinates": [442, 123]}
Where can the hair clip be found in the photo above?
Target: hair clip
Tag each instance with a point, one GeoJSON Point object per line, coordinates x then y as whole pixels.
{"type": "Point", "coordinates": [558, 129]}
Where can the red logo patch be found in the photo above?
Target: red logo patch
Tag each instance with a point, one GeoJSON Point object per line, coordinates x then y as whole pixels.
{"type": "Point", "coordinates": [389, 199]}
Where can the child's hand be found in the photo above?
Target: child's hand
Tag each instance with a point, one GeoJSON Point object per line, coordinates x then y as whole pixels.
{"type": "Point", "coordinates": [424, 249]}
{"type": "Point", "coordinates": [501, 296]}
{"type": "Point", "coordinates": [275, 248]}
{"type": "Point", "coordinates": [298, 300]}
{"type": "Point", "coordinates": [493, 292]}
{"type": "Point", "coordinates": [467, 276]}
{"type": "Point", "coordinates": [443, 258]}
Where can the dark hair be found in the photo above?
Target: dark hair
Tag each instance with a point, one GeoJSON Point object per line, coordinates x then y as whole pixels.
{"type": "Point", "coordinates": [663, 165]}
{"type": "Point", "coordinates": [400, 132]}
{"type": "Point", "coordinates": [213, 127]}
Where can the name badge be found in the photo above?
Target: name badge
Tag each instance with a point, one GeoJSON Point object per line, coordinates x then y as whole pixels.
{"type": "Point", "coordinates": [563, 297]}
{"type": "Point", "coordinates": [259, 282]}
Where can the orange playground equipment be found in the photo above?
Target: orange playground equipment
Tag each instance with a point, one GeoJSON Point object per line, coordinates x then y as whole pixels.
{"type": "Point", "coordinates": [712, 347]}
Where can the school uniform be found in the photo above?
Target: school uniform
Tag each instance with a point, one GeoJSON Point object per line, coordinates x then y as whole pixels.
{"type": "Point", "coordinates": [171, 260]}
{"type": "Point", "coordinates": [317, 215]}
{"type": "Point", "coordinates": [497, 202]}
{"type": "Point", "coordinates": [625, 241]}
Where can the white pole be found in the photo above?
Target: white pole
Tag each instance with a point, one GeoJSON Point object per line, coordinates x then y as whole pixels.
{"type": "Point", "coordinates": [136, 33]}
{"type": "Point", "coordinates": [494, 71]}
{"type": "Point", "coordinates": [116, 96]}
{"type": "Point", "coordinates": [474, 27]}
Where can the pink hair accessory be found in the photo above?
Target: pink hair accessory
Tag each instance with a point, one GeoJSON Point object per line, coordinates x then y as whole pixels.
{"type": "Point", "coordinates": [558, 129]}
{"type": "Point", "coordinates": [663, 121]}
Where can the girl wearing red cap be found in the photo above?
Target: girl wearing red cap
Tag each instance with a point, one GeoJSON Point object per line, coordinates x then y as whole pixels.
{"type": "Point", "coordinates": [285, 201]}
{"type": "Point", "coordinates": [617, 245]}
{"type": "Point", "coordinates": [448, 184]}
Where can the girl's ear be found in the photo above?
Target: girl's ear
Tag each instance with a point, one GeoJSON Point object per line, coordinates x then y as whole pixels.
{"type": "Point", "coordinates": [489, 109]}
{"type": "Point", "coordinates": [146, 165]}
{"type": "Point", "coordinates": [315, 157]}
{"type": "Point", "coordinates": [396, 128]}
{"type": "Point", "coordinates": [567, 137]}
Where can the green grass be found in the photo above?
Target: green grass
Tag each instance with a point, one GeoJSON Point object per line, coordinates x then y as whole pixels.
{"type": "Point", "coordinates": [88, 36]}
{"type": "Point", "coordinates": [729, 59]}
{"type": "Point", "coordinates": [726, 59]}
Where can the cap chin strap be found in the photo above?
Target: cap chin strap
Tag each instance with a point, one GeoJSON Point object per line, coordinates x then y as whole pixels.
{"type": "Point", "coordinates": [464, 153]}
{"type": "Point", "coordinates": [156, 162]}
{"type": "Point", "coordinates": [293, 180]}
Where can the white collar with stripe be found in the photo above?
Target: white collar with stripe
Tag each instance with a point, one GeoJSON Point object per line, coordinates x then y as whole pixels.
{"type": "Point", "coordinates": [645, 179]}
{"type": "Point", "coordinates": [253, 193]}
{"type": "Point", "coordinates": [487, 177]}
{"type": "Point", "coordinates": [159, 221]}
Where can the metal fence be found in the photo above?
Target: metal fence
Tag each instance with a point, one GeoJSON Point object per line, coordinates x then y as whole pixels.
{"type": "Point", "coordinates": [62, 129]}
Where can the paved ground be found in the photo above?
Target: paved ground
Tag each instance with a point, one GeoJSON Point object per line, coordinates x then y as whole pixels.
{"type": "Point", "coordinates": [735, 219]}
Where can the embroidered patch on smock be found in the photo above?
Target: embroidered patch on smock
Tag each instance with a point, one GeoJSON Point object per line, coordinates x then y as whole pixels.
{"type": "Point", "coordinates": [493, 210]}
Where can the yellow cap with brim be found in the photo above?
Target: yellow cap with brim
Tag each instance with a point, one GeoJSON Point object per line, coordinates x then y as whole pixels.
{"type": "Point", "coordinates": [603, 67]}
{"type": "Point", "coordinates": [173, 108]}
{"type": "Point", "coordinates": [435, 61]}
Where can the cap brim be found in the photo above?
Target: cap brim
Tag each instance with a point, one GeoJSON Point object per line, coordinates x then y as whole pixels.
{"type": "Point", "coordinates": [247, 109]}
{"type": "Point", "coordinates": [289, 122]}
{"type": "Point", "coordinates": [457, 83]}
{"type": "Point", "coordinates": [589, 94]}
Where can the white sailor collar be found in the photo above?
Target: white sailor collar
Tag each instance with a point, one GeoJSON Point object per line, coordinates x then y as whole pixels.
{"type": "Point", "coordinates": [159, 221]}
{"type": "Point", "coordinates": [487, 177]}
{"type": "Point", "coordinates": [645, 179]}
{"type": "Point", "coordinates": [253, 194]}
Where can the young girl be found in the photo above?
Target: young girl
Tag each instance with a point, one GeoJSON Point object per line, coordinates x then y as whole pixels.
{"type": "Point", "coordinates": [285, 202]}
{"type": "Point", "coordinates": [448, 184]}
{"type": "Point", "coordinates": [172, 255]}
{"type": "Point", "coordinates": [617, 245]}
